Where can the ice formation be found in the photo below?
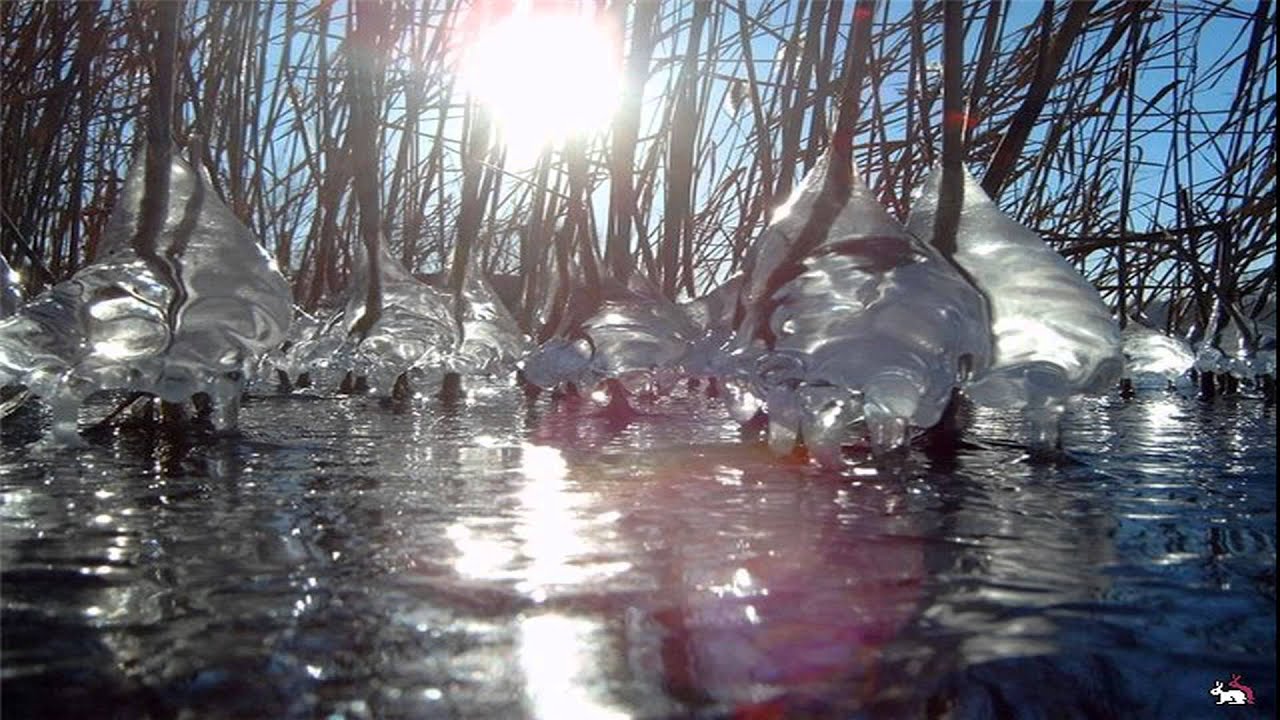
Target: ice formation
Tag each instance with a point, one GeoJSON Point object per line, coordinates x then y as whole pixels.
{"type": "Point", "coordinates": [415, 334]}
{"type": "Point", "coordinates": [1151, 352]}
{"type": "Point", "coordinates": [712, 316]}
{"type": "Point", "coordinates": [1264, 361]}
{"type": "Point", "coordinates": [627, 332]}
{"type": "Point", "coordinates": [848, 326]}
{"type": "Point", "coordinates": [492, 342]}
{"type": "Point", "coordinates": [190, 317]}
{"type": "Point", "coordinates": [10, 289]}
{"type": "Point", "coordinates": [422, 333]}
{"type": "Point", "coordinates": [11, 298]}
{"type": "Point", "coordinates": [283, 360]}
{"type": "Point", "coordinates": [1053, 336]}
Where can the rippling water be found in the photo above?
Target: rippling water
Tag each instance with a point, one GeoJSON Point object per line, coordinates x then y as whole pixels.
{"type": "Point", "coordinates": [508, 559]}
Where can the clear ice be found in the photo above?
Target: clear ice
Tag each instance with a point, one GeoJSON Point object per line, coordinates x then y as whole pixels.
{"type": "Point", "coordinates": [712, 317]}
{"type": "Point", "coordinates": [628, 332]}
{"type": "Point", "coordinates": [1053, 338]}
{"type": "Point", "coordinates": [1149, 352]}
{"type": "Point", "coordinates": [192, 318]}
{"type": "Point", "coordinates": [862, 335]}
{"type": "Point", "coordinates": [10, 289]}
{"type": "Point", "coordinates": [416, 334]}
{"type": "Point", "coordinates": [11, 298]}
{"type": "Point", "coordinates": [492, 342]}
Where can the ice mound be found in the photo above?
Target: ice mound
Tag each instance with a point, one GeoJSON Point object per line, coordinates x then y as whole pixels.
{"type": "Point", "coordinates": [415, 334]}
{"type": "Point", "coordinates": [1151, 352]}
{"type": "Point", "coordinates": [848, 326]}
{"type": "Point", "coordinates": [283, 359]}
{"type": "Point", "coordinates": [1053, 336]}
{"type": "Point", "coordinates": [712, 316]}
{"type": "Point", "coordinates": [191, 317]}
{"type": "Point", "coordinates": [492, 342]}
{"type": "Point", "coordinates": [627, 332]}
{"type": "Point", "coordinates": [10, 289]}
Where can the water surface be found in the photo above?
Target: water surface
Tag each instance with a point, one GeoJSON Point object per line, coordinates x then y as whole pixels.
{"type": "Point", "coordinates": [511, 559]}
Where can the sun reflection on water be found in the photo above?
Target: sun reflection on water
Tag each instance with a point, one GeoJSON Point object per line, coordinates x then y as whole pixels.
{"type": "Point", "coordinates": [552, 532]}
{"type": "Point", "coordinates": [559, 658]}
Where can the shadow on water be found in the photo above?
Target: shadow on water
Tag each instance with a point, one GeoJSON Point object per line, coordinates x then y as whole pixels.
{"type": "Point", "coordinates": [505, 557]}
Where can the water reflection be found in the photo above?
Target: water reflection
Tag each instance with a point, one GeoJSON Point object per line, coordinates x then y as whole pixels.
{"type": "Point", "coordinates": [562, 674]}
{"type": "Point", "coordinates": [514, 561]}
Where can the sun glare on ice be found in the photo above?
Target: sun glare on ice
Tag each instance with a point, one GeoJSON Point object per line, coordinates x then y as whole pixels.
{"type": "Point", "coordinates": [544, 76]}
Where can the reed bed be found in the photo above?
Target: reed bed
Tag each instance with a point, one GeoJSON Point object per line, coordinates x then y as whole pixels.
{"type": "Point", "coordinates": [1137, 137]}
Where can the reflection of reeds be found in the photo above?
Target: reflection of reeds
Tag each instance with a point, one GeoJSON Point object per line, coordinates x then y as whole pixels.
{"type": "Point", "coordinates": [1142, 151]}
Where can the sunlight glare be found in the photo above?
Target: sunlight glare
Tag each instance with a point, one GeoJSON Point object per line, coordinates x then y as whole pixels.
{"type": "Point", "coordinates": [544, 77]}
{"type": "Point", "coordinates": [560, 657]}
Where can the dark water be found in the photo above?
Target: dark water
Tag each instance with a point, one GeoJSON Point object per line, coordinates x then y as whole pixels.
{"type": "Point", "coordinates": [505, 559]}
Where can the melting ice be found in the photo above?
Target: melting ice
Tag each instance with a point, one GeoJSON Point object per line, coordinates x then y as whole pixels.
{"type": "Point", "coordinates": [849, 326]}
{"type": "Point", "coordinates": [191, 317]}
{"type": "Point", "coordinates": [1053, 336]}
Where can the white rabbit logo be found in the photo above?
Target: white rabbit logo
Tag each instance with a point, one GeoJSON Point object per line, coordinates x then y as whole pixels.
{"type": "Point", "coordinates": [1240, 694]}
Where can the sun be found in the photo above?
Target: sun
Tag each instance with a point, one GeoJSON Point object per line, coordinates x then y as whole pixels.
{"type": "Point", "coordinates": [545, 76]}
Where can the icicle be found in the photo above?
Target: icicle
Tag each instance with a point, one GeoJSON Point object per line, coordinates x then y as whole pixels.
{"type": "Point", "coordinates": [784, 420]}
{"type": "Point", "coordinates": [828, 413]}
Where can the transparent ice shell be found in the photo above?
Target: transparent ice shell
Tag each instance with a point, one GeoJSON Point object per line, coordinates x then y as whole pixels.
{"type": "Point", "coordinates": [11, 296]}
{"type": "Point", "coordinates": [415, 333]}
{"type": "Point", "coordinates": [191, 318]}
{"type": "Point", "coordinates": [871, 329]}
{"type": "Point", "coordinates": [1053, 336]}
{"type": "Point", "coordinates": [712, 317]}
{"type": "Point", "coordinates": [1150, 352]}
{"type": "Point", "coordinates": [630, 333]}
{"type": "Point", "coordinates": [492, 342]}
